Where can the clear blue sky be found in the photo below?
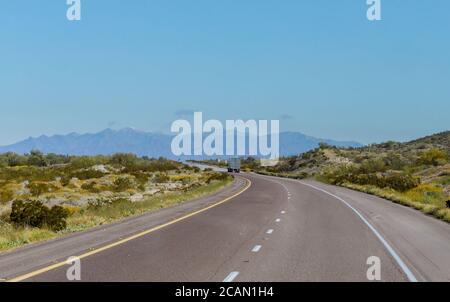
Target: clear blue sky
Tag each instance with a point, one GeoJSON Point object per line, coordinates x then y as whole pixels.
{"type": "Point", "coordinates": [319, 65]}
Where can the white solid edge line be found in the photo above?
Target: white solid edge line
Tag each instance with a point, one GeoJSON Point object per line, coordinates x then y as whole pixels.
{"type": "Point", "coordinates": [397, 258]}
{"type": "Point", "coordinates": [256, 249]}
{"type": "Point", "coordinates": [231, 277]}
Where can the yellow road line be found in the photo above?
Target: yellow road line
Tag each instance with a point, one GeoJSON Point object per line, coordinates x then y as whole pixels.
{"type": "Point", "coordinates": [96, 251]}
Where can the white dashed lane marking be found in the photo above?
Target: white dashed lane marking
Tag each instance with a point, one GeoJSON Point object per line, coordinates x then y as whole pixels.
{"type": "Point", "coordinates": [256, 249]}
{"type": "Point", "coordinates": [231, 277]}
{"type": "Point", "coordinates": [269, 231]}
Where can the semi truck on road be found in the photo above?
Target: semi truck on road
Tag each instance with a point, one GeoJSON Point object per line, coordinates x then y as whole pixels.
{"type": "Point", "coordinates": [234, 165]}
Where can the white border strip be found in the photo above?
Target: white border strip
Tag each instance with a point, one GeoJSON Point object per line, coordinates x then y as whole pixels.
{"type": "Point", "coordinates": [397, 258]}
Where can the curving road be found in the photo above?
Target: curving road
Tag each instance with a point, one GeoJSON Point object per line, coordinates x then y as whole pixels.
{"type": "Point", "coordinates": [260, 229]}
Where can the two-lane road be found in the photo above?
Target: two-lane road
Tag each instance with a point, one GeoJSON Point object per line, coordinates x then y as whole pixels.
{"type": "Point", "coordinates": [273, 230]}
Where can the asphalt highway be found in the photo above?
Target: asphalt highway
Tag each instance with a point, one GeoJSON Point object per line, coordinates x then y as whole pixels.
{"type": "Point", "coordinates": [259, 229]}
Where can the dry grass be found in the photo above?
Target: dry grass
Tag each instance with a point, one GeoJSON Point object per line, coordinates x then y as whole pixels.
{"type": "Point", "coordinates": [426, 198]}
{"type": "Point", "coordinates": [87, 217]}
{"type": "Point", "coordinates": [11, 237]}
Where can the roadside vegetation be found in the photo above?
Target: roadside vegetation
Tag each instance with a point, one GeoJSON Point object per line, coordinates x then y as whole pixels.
{"type": "Point", "coordinates": [415, 174]}
{"type": "Point", "coordinates": [45, 196]}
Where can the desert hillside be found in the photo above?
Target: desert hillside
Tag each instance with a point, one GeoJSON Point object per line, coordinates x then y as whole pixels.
{"type": "Point", "coordinates": [415, 173]}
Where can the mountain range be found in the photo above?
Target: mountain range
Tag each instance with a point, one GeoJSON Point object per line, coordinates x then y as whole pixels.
{"type": "Point", "coordinates": [143, 143]}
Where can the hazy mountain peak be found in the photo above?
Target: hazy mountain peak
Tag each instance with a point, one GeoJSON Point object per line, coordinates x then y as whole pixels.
{"type": "Point", "coordinates": [109, 141]}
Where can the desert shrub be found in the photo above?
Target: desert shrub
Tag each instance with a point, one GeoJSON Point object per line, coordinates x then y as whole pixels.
{"type": "Point", "coordinates": [3, 162]}
{"type": "Point", "coordinates": [131, 163]}
{"type": "Point", "coordinates": [36, 214]}
{"type": "Point", "coordinates": [30, 173]}
{"type": "Point", "coordinates": [39, 188]}
{"type": "Point", "coordinates": [36, 158]}
{"type": "Point", "coordinates": [65, 180]}
{"type": "Point", "coordinates": [83, 162]}
{"type": "Point", "coordinates": [72, 210]}
{"type": "Point", "coordinates": [372, 166]}
{"type": "Point", "coordinates": [162, 164]}
{"type": "Point", "coordinates": [55, 159]}
{"type": "Point", "coordinates": [28, 213]}
{"type": "Point", "coordinates": [87, 174]}
{"type": "Point", "coordinates": [217, 177]}
{"type": "Point", "coordinates": [161, 178]}
{"type": "Point", "coordinates": [301, 175]}
{"type": "Point", "coordinates": [141, 177]}
{"type": "Point", "coordinates": [99, 203]}
{"type": "Point", "coordinates": [394, 162]}
{"type": "Point", "coordinates": [339, 174]}
{"type": "Point", "coordinates": [91, 187]}
{"type": "Point", "coordinates": [6, 195]}
{"type": "Point", "coordinates": [123, 159]}
{"type": "Point", "coordinates": [13, 159]}
{"type": "Point", "coordinates": [400, 182]}
{"type": "Point", "coordinates": [433, 157]}
{"type": "Point", "coordinates": [323, 146]}
{"type": "Point", "coordinates": [122, 184]}
{"type": "Point", "coordinates": [428, 193]}
{"type": "Point", "coordinates": [56, 219]}
{"type": "Point", "coordinates": [350, 174]}
{"type": "Point", "coordinates": [185, 179]}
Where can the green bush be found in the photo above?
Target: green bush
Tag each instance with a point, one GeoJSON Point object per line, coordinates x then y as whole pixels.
{"type": "Point", "coordinates": [36, 158]}
{"type": "Point", "coordinates": [161, 178]}
{"type": "Point", "coordinates": [56, 219]}
{"type": "Point", "coordinates": [83, 162]}
{"type": "Point", "coordinates": [39, 188]}
{"type": "Point", "coordinates": [36, 214]}
{"type": "Point", "coordinates": [400, 182]}
{"type": "Point", "coordinates": [13, 159]}
{"type": "Point", "coordinates": [91, 187]}
{"type": "Point", "coordinates": [122, 184]}
{"type": "Point", "coordinates": [65, 180]}
{"type": "Point", "coordinates": [28, 213]}
{"type": "Point", "coordinates": [394, 161]}
{"type": "Point", "coordinates": [434, 157]}
{"type": "Point", "coordinates": [369, 173]}
{"type": "Point", "coordinates": [372, 166]}
{"type": "Point", "coordinates": [123, 159]}
{"type": "Point", "coordinates": [217, 177]}
{"type": "Point", "coordinates": [87, 174]}
{"type": "Point", "coordinates": [141, 177]}
{"type": "Point", "coordinates": [6, 195]}
{"type": "Point", "coordinates": [301, 175]}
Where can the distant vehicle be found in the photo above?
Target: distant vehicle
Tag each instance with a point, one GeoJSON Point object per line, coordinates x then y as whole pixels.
{"type": "Point", "coordinates": [234, 165]}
